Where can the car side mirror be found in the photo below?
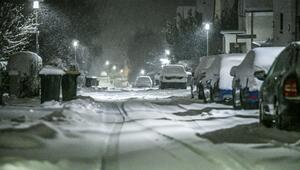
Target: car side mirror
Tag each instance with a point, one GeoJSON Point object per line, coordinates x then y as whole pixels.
{"type": "Point", "coordinates": [260, 75]}
{"type": "Point", "coordinates": [233, 71]}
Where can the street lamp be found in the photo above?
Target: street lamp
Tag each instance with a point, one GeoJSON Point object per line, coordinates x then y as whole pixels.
{"type": "Point", "coordinates": [75, 45]}
{"type": "Point", "coordinates": [121, 71]}
{"type": "Point", "coordinates": [167, 52]}
{"type": "Point", "coordinates": [143, 72]}
{"type": "Point", "coordinates": [114, 68]}
{"type": "Point", "coordinates": [207, 28]}
{"type": "Point", "coordinates": [36, 6]}
{"type": "Point", "coordinates": [107, 63]}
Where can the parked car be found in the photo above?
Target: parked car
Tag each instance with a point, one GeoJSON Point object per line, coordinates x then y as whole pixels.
{"type": "Point", "coordinates": [200, 72]}
{"type": "Point", "coordinates": [143, 81]}
{"type": "Point", "coordinates": [280, 91]}
{"type": "Point", "coordinates": [173, 76]}
{"type": "Point", "coordinates": [217, 83]}
{"type": "Point", "coordinates": [245, 85]}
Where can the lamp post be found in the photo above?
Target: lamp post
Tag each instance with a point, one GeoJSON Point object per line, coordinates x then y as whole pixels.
{"type": "Point", "coordinates": [143, 72]}
{"type": "Point", "coordinates": [107, 63]}
{"type": "Point", "coordinates": [207, 28]}
{"type": "Point", "coordinates": [75, 45]}
{"type": "Point", "coordinates": [167, 52]}
{"type": "Point", "coordinates": [36, 6]}
{"type": "Point", "coordinates": [114, 67]}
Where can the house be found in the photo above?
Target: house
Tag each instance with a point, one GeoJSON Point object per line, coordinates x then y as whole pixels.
{"type": "Point", "coordinates": [286, 21]}
{"type": "Point", "coordinates": [255, 25]}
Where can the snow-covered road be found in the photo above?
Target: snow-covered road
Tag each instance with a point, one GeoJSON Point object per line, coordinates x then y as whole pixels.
{"type": "Point", "coordinates": [131, 129]}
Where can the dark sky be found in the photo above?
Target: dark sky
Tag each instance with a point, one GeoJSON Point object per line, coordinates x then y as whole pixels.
{"type": "Point", "coordinates": [122, 18]}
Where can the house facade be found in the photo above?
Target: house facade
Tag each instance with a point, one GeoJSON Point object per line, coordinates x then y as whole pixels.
{"type": "Point", "coordinates": [286, 21]}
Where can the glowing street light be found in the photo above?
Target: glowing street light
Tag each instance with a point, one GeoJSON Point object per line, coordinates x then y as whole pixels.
{"type": "Point", "coordinates": [114, 68]}
{"type": "Point", "coordinates": [207, 28]}
{"type": "Point", "coordinates": [36, 4]}
{"type": "Point", "coordinates": [121, 71]}
{"type": "Point", "coordinates": [143, 72]}
{"type": "Point", "coordinates": [75, 45]}
{"type": "Point", "coordinates": [167, 52]}
{"type": "Point", "coordinates": [165, 61]}
{"type": "Point", "coordinates": [107, 63]}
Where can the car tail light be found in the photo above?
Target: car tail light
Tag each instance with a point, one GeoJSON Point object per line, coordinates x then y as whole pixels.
{"type": "Point", "coordinates": [290, 88]}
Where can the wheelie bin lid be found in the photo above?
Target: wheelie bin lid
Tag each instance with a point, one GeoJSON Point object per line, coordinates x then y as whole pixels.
{"type": "Point", "coordinates": [51, 70]}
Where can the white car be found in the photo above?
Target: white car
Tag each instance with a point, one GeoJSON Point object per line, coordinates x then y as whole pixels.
{"type": "Point", "coordinates": [143, 81]}
{"type": "Point", "coordinates": [173, 76]}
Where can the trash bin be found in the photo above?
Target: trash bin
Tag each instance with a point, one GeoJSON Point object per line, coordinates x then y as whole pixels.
{"type": "Point", "coordinates": [91, 81]}
{"type": "Point", "coordinates": [50, 83]}
{"type": "Point", "coordinates": [69, 85]}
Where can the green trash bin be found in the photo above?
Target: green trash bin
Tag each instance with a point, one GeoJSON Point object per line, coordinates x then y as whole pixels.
{"type": "Point", "coordinates": [50, 83]}
{"type": "Point", "coordinates": [69, 85]}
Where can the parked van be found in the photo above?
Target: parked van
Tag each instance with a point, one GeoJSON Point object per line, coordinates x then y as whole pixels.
{"type": "Point", "coordinates": [245, 85]}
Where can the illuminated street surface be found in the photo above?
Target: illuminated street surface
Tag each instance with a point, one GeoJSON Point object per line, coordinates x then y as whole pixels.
{"type": "Point", "coordinates": [147, 129]}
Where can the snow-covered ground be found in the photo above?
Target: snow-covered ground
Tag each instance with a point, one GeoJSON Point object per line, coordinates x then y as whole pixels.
{"type": "Point", "coordinates": [140, 129]}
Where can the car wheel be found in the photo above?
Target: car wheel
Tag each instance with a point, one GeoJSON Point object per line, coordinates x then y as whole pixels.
{"type": "Point", "coordinates": [207, 95]}
{"type": "Point", "coordinates": [266, 122]}
{"type": "Point", "coordinates": [279, 122]}
{"type": "Point", "coordinates": [162, 86]}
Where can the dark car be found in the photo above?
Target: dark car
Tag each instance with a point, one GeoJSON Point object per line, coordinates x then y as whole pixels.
{"type": "Point", "coordinates": [280, 96]}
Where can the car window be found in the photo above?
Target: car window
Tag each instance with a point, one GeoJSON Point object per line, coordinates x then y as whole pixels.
{"type": "Point", "coordinates": [282, 62]}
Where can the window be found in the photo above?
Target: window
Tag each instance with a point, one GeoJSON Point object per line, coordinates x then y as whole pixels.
{"type": "Point", "coordinates": [281, 23]}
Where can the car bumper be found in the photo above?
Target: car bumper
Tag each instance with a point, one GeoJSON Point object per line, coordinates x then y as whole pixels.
{"type": "Point", "coordinates": [291, 108]}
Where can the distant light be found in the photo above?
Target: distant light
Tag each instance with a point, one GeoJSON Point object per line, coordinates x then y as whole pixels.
{"type": "Point", "coordinates": [75, 43]}
{"type": "Point", "coordinates": [167, 52]}
{"type": "Point", "coordinates": [103, 73]}
{"type": "Point", "coordinates": [36, 4]}
{"type": "Point", "coordinates": [107, 63]}
{"type": "Point", "coordinates": [207, 26]}
{"type": "Point", "coordinates": [121, 71]}
{"type": "Point", "coordinates": [143, 72]}
{"type": "Point", "coordinates": [164, 61]}
{"type": "Point", "coordinates": [114, 67]}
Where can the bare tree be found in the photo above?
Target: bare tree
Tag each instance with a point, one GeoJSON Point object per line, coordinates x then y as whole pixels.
{"type": "Point", "coordinates": [15, 28]}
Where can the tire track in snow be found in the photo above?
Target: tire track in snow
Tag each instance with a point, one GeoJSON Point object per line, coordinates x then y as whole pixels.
{"type": "Point", "coordinates": [110, 161]}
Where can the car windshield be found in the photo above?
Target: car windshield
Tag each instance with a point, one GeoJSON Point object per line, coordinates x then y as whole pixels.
{"type": "Point", "coordinates": [143, 80]}
{"type": "Point", "coordinates": [177, 70]}
{"type": "Point", "coordinates": [143, 85]}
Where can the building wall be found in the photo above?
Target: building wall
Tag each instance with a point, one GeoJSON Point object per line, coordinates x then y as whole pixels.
{"type": "Point", "coordinates": [284, 21]}
{"type": "Point", "coordinates": [262, 25]}
{"type": "Point", "coordinates": [206, 8]}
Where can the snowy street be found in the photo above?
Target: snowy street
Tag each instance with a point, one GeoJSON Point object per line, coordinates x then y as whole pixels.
{"type": "Point", "coordinates": [132, 129]}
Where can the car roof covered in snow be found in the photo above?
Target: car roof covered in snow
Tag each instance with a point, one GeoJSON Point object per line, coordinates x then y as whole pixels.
{"type": "Point", "coordinates": [262, 58]}
{"type": "Point", "coordinates": [51, 70]}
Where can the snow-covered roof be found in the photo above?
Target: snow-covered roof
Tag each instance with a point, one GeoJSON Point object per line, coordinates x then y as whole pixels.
{"type": "Point", "coordinates": [50, 70]}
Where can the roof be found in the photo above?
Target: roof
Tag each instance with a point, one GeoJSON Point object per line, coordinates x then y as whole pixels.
{"type": "Point", "coordinates": [233, 32]}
